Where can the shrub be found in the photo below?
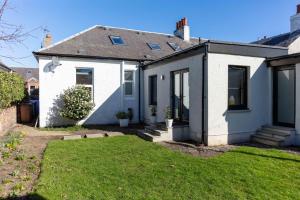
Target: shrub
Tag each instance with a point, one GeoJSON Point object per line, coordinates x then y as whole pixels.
{"type": "Point", "coordinates": [11, 89]}
{"type": "Point", "coordinates": [77, 103]}
{"type": "Point", "coordinates": [122, 115]}
{"type": "Point", "coordinates": [168, 113]}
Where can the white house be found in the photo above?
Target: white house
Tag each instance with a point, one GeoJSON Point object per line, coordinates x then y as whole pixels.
{"type": "Point", "coordinates": [219, 92]}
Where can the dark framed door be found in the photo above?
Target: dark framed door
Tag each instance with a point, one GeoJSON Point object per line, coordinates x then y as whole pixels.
{"type": "Point", "coordinates": [180, 95]}
{"type": "Point", "coordinates": [284, 96]}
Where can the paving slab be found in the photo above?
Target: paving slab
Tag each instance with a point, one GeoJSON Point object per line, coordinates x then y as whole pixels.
{"type": "Point", "coordinates": [94, 135]}
{"type": "Point", "coordinates": [72, 137]}
{"type": "Point", "coordinates": [112, 134]}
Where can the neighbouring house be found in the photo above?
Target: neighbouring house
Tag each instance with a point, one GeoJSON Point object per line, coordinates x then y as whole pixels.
{"type": "Point", "coordinates": [4, 67]}
{"type": "Point", "coordinates": [31, 78]}
{"type": "Point", "coordinates": [219, 92]}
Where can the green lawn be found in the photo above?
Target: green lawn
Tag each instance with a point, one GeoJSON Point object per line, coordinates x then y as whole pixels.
{"type": "Point", "coordinates": [127, 167]}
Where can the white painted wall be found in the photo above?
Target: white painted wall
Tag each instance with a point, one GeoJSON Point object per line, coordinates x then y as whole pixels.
{"type": "Point", "coordinates": [108, 89]}
{"type": "Point", "coordinates": [194, 64]}
{"type": "Point", "coordinates": [236, 126]}
{"type": "Point", "coordinates": [294, 47]}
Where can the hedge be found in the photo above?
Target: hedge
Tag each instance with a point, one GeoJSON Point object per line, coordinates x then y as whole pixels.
{"type": "Point", "coordinates": [11, 89]}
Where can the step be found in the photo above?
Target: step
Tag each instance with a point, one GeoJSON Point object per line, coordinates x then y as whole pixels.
{"type": "Point", "coordinates": [275, 132]}
{"type": "Point", "coordinates": [266, 140]}
{"type": "Point", "coordinates": [152, 138]}
{"type": "Point", "coordinates": [272, 135]}
{"type": "Point", "coordinates": [279, 129]}
{"type": "Point", "coordinates": [154, 130]}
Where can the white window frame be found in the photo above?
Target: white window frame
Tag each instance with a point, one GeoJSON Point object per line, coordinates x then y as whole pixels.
{"type": "Point", "coordinates": [129, 81]}
{"type": "Point", "coordinates": [87, 85]}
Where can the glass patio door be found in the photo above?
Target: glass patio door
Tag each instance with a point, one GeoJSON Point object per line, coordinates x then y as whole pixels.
{"type": "Point", "coordinates": [180, 95]}
{"type": "Point", "coordinates": [284, 97]}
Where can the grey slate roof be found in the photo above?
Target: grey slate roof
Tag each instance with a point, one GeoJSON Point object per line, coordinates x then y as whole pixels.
{"type": "Point", "coordinates": [283, 40]}
{"type": "Point", "coordinates": [27, 73]}
{"type": "Point", "coordinates": [95, 42]}
{"type": "Point", "coordinates": [3, 67]}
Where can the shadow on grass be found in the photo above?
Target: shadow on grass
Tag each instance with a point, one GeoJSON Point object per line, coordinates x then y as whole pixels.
{"type": "Point", "coordinates": [266, 156]}
{"type": "Point", "coordinates": [26, 197]}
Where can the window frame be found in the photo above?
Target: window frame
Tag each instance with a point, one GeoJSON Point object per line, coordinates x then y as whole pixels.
{"type": "Point", "coordinates": [111, 37]}
{"type": "Point", "coordinates": [173, 47]}
{"type": "Point", "coordinates": [129, 81]}
{"type": "Point", "coordinates": [150, 90]}
{"type": "Point", "coordinates": [151, 44]}
{"type": "Point", "coordinates": [243, 106]}
{"type": "Point", "coordinates": [86, 85]}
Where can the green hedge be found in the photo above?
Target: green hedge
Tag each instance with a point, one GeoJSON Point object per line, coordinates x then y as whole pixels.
{"type": "Point", "coordinates": [11, 89]}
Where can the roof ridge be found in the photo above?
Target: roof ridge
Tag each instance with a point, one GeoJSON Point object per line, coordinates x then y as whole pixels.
{"type": "Point", "coordinates": [68, 38]}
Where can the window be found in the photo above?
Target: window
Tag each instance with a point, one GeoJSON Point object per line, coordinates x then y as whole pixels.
{"type": "Point", "coordinates": [174, 46]}
{"type": "Point", "coordinates": [237, 88]}
{"type": "Point", "coordinates": [153, 90]}
{"type": "Point", "coordinates": [117, 40]}
{"type": "Point", "coordinates": [154, 46]}
{"type": "Point", "coordinates": [128, 83]}
{"type": "Point", "coordinates": [84, 77]}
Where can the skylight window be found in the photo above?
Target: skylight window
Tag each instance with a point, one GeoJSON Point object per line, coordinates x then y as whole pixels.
{"type": "Point", "coordinates": [117, 40]}
{"type": "Point", "coordinates": [174, 46]}
{"type": "Point", "coordinates": [154, 46]}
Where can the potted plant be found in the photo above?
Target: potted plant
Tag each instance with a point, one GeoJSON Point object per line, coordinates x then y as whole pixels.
{"type": "Point", "coordinates": [123, 119]}
{"type": "Point", "coordinates": [168, 117]}
{"type": "Point", "coordinates": [153, 114]}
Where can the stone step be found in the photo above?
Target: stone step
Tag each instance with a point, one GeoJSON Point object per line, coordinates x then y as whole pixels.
{"type": "Point", "coordinates": [72, 137]}
{"type": "Point", "coordinates": [275, 132]}
{"type": "Point", "coordinates": [271, 135]}
{"type": "Point", "coordinates": [153, 138]}
{"type": "Point", "coordinates": [279, 130]}
{"type": "Point", "coordinates": [267, 140]}
{"type": "Point", "coordinates": [154, 130]}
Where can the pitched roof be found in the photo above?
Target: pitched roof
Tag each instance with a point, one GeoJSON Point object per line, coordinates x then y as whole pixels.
{"type": "Point", "coordinates": [283, 40]}
{"type": "Point", "coordinates": [95, 42]}
{"type": "Point", "coordinates": [3, 67]}
{"type": "Point", "coordinates": [27, 73]}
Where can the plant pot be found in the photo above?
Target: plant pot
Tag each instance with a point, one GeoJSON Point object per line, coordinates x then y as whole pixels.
{"type": "Point", "coordinates": [169, 123]}
{"type": "Point", "coordinates": [123, 122]}
{"type": "Point", "coordinates": [152, 119]}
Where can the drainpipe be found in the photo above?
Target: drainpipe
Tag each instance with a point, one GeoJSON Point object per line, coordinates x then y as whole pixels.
{"type": "Point", "coordinates": [204, 62]}
{"type": "Point", "coordinates": [139, 74]}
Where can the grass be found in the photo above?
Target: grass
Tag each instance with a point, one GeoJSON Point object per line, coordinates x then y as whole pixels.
{"type": "Point", "coordinates": [129, 168]}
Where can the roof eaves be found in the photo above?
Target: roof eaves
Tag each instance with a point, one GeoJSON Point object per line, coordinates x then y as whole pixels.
{"type": "Point", "coordinates": [88, 56]}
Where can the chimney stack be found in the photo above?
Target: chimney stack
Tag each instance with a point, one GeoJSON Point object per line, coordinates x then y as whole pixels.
{"type": "Point", "coordinates": [47, 40]}
{"type": "Point", "coordinates": [295, 20]}
{"type": "Point", "coordinates": [182, 29]}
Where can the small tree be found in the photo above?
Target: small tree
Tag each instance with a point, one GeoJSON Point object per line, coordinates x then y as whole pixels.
{"type": "Point", "coordinates": [11, 89]}
{"type": "Point", "coordinates": [77, 103]}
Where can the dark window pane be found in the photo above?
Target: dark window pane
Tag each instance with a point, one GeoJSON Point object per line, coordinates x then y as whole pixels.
{"type": "Point", "coordinates": [128, 75]}
{"type": "Point", "coordinates": [154, 46]}
{"type": "Point", "coordinates": [84, 76]}
{"type": "Point", "coordinates": [237, 87]}
{"type": "Point", "coordinates": [174, 46]}
{"type": "Point", "coordinates": [116, 40]}
{"type": "Point", "coordinates": [128, 88]}
{"type": "Point", "coordinates": [153, 90]}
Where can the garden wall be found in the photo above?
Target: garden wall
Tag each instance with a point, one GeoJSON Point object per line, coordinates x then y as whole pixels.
{"type": "Point", "coordinates": [8, 118]}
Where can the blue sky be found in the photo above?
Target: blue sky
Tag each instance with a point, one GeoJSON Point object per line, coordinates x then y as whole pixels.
{"type": "Point", "coordinates": [230, 20]}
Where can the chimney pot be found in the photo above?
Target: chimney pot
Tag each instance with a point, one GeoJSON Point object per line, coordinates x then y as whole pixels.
{"type": "Point", "coordinates": [185, 22]}
{"type": "Point", "coordinates": [182, 30]}
{"type": "Point", "coordinates": [298, 8]}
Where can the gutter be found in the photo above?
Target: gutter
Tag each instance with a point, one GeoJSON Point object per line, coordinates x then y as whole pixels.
{"type": "Point", "coordinates": [88, 56]}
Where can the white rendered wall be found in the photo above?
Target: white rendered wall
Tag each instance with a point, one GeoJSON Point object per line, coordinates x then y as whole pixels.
{"type": "Point", "coordinates": [194, 64]}
{"type": "Point", "coordinates": [236, 126]}
{"type": "Point", "coordinates": [295, 46]}
{"type": "Point", "coordinates": [107, 83]}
